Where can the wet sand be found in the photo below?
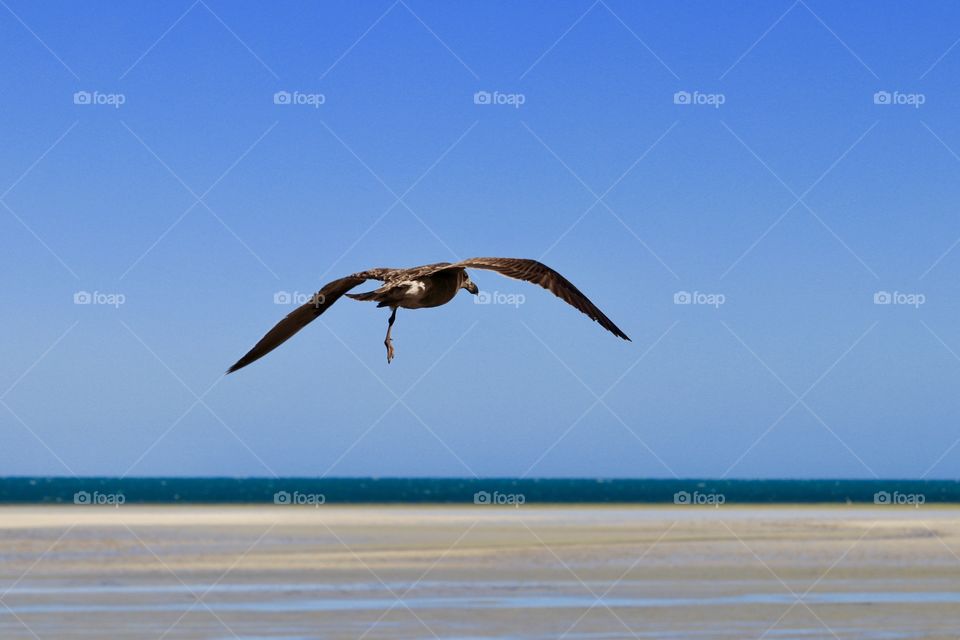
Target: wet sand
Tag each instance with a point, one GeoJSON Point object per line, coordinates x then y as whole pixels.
{"type": "Point", "coordinates": [291, 572]}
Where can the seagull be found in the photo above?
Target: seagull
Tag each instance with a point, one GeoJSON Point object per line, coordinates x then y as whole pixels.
{"type": "Point", "coordinates": [430, 285]}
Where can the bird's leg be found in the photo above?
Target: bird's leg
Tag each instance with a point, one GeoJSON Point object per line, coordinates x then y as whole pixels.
{"type": "Point", "coordinates": [388, 342]}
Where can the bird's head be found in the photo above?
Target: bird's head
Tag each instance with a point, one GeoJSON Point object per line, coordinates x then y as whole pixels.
{"type": "Point", "coordinates": [469, 285]}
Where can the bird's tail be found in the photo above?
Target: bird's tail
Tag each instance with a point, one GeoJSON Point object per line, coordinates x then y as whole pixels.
{"type": "Point", "coordinates": [364, 297]}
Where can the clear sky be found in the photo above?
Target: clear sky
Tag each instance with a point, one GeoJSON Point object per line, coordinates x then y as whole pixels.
{"type": "Point", "coordinates": [145, 160]}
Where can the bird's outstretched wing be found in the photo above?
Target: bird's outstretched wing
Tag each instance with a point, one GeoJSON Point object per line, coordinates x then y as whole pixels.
{"type": "Point", "coordinates": [541, 274]}
{"type": "Point", "coordinates": [306, 313]}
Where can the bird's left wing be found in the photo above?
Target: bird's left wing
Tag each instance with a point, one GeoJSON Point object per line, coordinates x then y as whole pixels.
{"type": "Point", "coordinates": [306, 313]}
{"type": "Point", "coordinates": [541, 274]}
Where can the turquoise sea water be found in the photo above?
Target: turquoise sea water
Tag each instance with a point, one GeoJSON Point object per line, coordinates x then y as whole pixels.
{"type": "Point", "coordinates": [38, 490]}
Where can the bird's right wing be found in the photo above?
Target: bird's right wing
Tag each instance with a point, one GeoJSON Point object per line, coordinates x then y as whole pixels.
{"type": "Point", "coordinates": [540, 274]}
{"type": "Point", "coordinates": [306, 313]}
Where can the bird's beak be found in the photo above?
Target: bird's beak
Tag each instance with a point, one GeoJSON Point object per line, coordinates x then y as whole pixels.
{"type": "Point", "coordinates": [472, 288]}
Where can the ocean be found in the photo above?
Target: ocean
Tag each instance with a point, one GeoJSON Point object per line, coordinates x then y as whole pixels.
{"type": "Point", "coordinates": [60, 490]}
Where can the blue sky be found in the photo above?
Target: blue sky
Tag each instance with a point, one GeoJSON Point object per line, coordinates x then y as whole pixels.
{"type": "Point", "coordinates": [778, 189]}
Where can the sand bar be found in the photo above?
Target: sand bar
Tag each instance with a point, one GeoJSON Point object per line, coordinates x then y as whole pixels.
{"type": "Point", "coordinates": [288, 572]}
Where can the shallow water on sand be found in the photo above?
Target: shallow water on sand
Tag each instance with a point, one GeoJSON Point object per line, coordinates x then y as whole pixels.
{"type": "Point", "coordinates": [255, 573]}
{"type": "Point", "coordinates": [266, 597]}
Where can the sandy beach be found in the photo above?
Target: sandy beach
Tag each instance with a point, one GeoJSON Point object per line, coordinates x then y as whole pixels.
{"type": "Point", "coordinates": [292, 572]}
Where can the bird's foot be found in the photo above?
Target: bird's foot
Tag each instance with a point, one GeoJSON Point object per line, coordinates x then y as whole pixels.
{"type": "Point", "coordinates": [389, 345]}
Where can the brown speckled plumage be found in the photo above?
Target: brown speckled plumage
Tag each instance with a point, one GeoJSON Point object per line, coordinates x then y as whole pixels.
{"type": "Point", "coordinates": [429, 285]}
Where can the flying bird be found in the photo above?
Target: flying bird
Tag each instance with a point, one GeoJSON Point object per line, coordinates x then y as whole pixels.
{"type": "Point", "coordinates": [422, 287]}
